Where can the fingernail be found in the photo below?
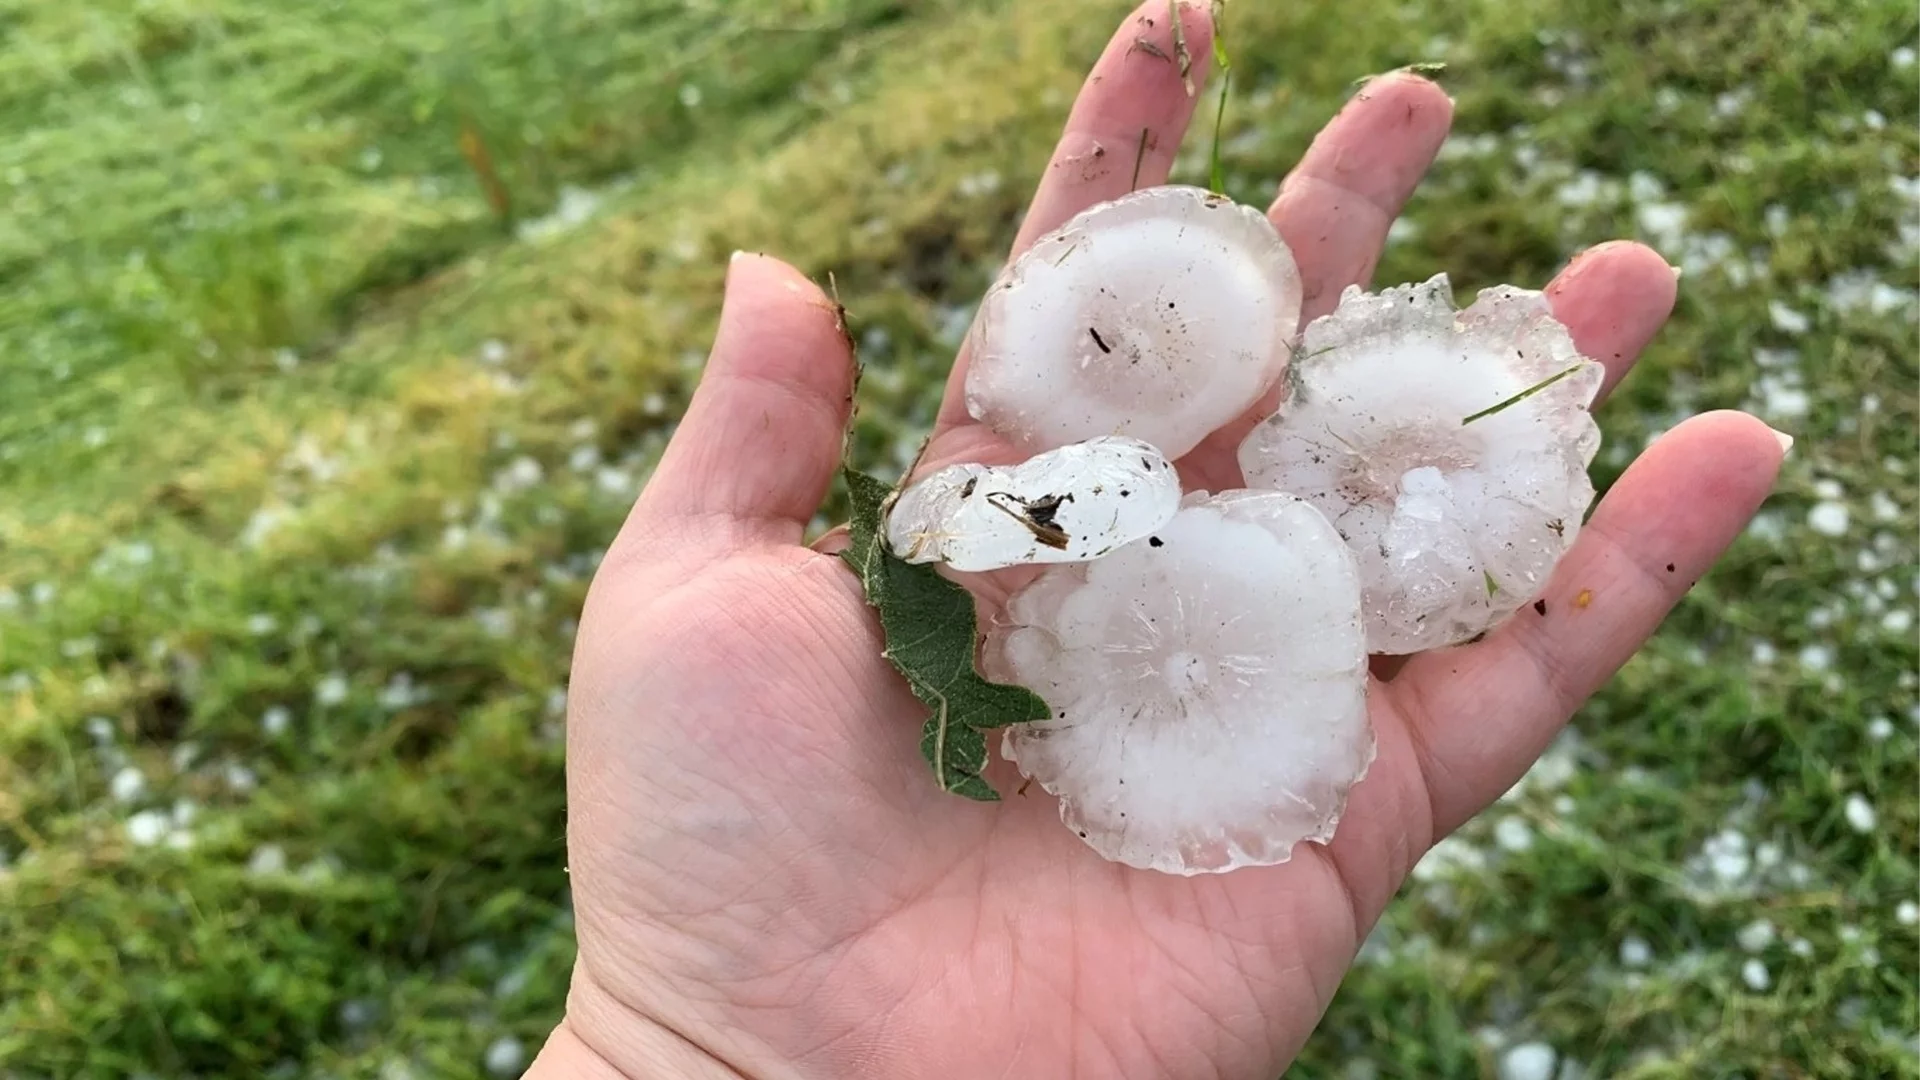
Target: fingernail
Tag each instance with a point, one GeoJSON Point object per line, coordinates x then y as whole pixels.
{"type": "Point", "coordinates": [1785, 440]}
{"type": "Point", "coordinates": [736, 257]}
{"type": "Point", "coordinates": [1677, 271]}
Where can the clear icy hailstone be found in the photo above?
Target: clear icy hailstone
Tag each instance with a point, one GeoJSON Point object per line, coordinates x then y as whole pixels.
{"type": "Point", "coordinates": [1208, 686]}
{"type": "Point", "coordinates": [1162, 315]}
{"type": "Point", "coordinates": [1406, 425]}
{"type": "Point", "coordinates": [1067, 505]}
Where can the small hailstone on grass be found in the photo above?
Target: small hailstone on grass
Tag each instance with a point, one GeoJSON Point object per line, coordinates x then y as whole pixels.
{"type": "Point", "coordinates": [1786, 320]}
{"type": "Point", "coordinates": [1860, 814]}
{"type": "Point", "coordinates": [1449, 448]}
{"type": "Point", "coordinates": [1755, 975]}
{"type": "Point", "coordinates": [331, 689]}
{"type": "Point", "coordinates": [1528, 1061]}
{"type": "Point", "coordinates": [1829, 518]}
{"type": "Point", "coordinates": [148, 827]}
{"type": "Point", "coordinates": [1067, 505]}
{"type": "Point", "coordinates": [1755, 936]}
{"type": "Point", "coordinates": [506, 1057]}
{"type": "Point", "coordinates": [1513, 834]}
{"type": "Point", "coordinates": [128, 785]}
{"type": "Point", "coordinates": [1162, 315]}
{"type": "Point", "coordinates": [1816, 657]}
{"type": "Point", "coordinates": [1208, 686]}
{"type": "Point", "coordinates": [267, 860]}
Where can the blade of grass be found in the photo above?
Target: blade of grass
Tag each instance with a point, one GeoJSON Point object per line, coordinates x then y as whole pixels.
{"type": "Point", "coordinates": [1522, 395]}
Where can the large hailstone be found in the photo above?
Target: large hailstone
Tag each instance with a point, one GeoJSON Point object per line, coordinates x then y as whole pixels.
{"type": "Point", "coordinates": [1067, 505]}
{"type": "Point", "coordinates": [1208, 686]}
{"type": "Point", "coordinates": [1407, 427]}
{"type": "Point", "coordinates": [1162, 315]}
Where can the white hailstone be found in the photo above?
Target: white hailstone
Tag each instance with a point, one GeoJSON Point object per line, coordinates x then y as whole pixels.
{"type": "Point", "coordinates": [1067, 505]}
{"type": "Point", "coordinates": [1754, 973]}
{"type": "Point", "coordinates": [128, 785]}
{"type": "Point", "coordinates": [276, 720]}
{"type": "Point", "coordinates": [1528, 1061]}
{"type": "Point", "coordinates": [240, 778]}
{"type": "Point", "coordinates": [1860, 814]}
{"type": "Point", "coordinates": [1786, 320]}
{"type": "Point", "coordinates": [506, 1057]}
{"type": "Point", "coordinates": [1449, 448]}
{"type": "Point", "coordinates": [267, 860]}
{"type": "Point", "coordinates": [1829, 518]}
{"type": "Point", "coordinates": [1907, 913]}
{"type": "Point", "coordinates": [1728, 856]}
{"type": "Point", "coordinates": [1162, 315]}
{"type": "Point", "coordinates": [1755, 936]}
{"type": "Point", "coordinates": [1513, 834]}
{"type": "Point", "coordinates": [1451, 857]}
{"type": "Point", "coordinates": [185, 755]}
{"type": "Point", "coordinates": [148, 827]}
{"type": "Point", "coordinates": [331, 689]}
{"type": "Point", "coordinates": [1208, 686]}
{"type": "Point", "coordinates": [1635, 952]}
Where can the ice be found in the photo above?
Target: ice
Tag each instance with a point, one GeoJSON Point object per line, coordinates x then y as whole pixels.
{"type": "Point", "coordinates": [1208, 686]}
{"type": "Point", "coordinates": [1067, 505]}
{"type": "Point", "coordinates": [1162, 315]}
{"type": "Point", "coordinates": [1405, 424]}
{"type": "Point", "coordinates": [1528, 1061]}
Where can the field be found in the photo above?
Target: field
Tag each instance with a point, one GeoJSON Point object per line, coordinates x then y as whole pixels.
{"type": "Point", "coordinates": [336, 339]}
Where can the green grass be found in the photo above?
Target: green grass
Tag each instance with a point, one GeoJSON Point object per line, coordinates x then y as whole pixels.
{"type": "Point", "coordinates": [308, 445]}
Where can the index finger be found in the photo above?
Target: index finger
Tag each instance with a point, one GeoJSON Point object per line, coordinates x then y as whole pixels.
{"type": "Point", "coordinates": [1124, 130]}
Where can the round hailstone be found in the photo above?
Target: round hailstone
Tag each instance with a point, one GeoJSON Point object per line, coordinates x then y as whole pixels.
{"type": "Point", "coordinates": [1450, 450]}
{"type": "Point", "coordinates": [1162, 315]}
{"type": "Point", "coordinates": [1208, 685]}
{"type": "Point", "coordinates": [1067, 505]}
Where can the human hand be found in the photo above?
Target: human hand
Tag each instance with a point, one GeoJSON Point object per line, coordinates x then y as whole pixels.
{"type": "Point", "coordinates": [767, 882]}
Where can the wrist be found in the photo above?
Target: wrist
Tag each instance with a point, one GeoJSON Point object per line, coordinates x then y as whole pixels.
{"type": "Point", "coordinates": [600, 1039]}
{"type": "Point", "coordinates": [567, 1056]}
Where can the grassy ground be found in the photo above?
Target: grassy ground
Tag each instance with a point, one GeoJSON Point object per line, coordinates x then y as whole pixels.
{"type": "Point", "coordinates": [335, 339]}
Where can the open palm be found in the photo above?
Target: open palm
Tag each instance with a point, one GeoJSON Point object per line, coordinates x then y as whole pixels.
{"type": "Point", "coordinates": [767, 881]}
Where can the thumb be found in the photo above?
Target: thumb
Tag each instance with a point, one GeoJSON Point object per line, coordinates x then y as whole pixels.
{"type": "Point", "coordinates": [761, 439]}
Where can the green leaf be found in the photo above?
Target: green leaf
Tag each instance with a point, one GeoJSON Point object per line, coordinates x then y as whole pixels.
{"type": "Point", "coordinates": [1492, 585]}
{"type": "Point", "coordinates": [931, 638]}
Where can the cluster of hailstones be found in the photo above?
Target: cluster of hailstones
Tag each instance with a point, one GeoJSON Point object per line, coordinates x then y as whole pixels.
{"type": "Point", "coordinates": [1205, 653]}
